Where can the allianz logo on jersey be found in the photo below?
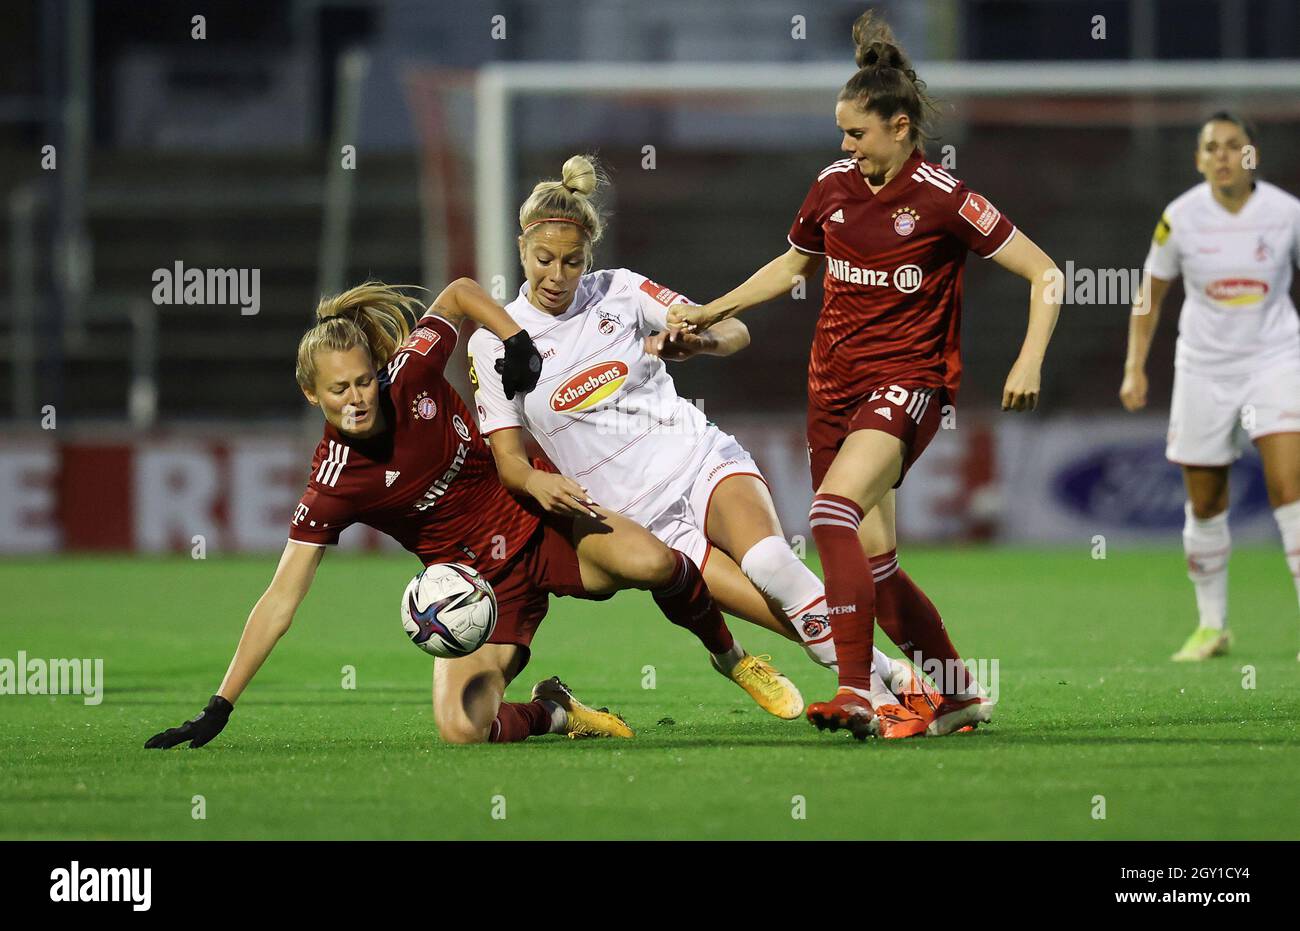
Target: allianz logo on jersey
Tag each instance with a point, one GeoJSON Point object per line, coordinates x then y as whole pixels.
{"type": "Point", "coordinates": [433, 494]}
{"type": "Point", "coordinates": [906, 278]}
{"type": "Point", "coordinates": [1237, 292]}
{"type": "Point", "coordinates": [589, 387]}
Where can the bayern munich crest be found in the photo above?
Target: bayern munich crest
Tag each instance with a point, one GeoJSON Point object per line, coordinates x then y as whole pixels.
{"type": "Point", "coordinates": [424, 406]}
{"type": "Point", "coordinates": [905, 221]}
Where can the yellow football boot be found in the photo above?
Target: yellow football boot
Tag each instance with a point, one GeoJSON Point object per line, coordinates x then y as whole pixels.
{"type": "Point", "coordinates": [583, 720]}
{"type": "Point", "coordinates": [773, 692]}
{"type": "Point", "coordinates": [1204, 643]}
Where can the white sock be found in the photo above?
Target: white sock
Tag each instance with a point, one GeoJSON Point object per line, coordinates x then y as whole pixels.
{"type": "Point", "coordinates": [878, 695]}
{"type": "Point", "coordinates": [1208, 545]}
{"type": "Point", "coordinates": [880, 692]}
{"type": "Point", "coordinates": [559, 717]}
{"type": "Point", "coordinates": [729, 659]}
{"type": "Point", "coordinates": [780, 575]}
{"type": "Point", "coordinates": [1288, 521]}
{"type": "Point", "coordinates": [891, 670]}
{"type": "Point", "coordinates": [896, 673]}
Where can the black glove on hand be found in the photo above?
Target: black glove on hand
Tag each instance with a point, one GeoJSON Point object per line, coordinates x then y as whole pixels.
{"type": "Point", "coordinates": [521, 366]}
{"type": "Point", "coordinates": [198, 730]}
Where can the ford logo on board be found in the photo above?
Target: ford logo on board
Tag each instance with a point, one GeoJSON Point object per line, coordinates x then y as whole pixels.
{"type": "Point", "coordinates": [1133, 485]}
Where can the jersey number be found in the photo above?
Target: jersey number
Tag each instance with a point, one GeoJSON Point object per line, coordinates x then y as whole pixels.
{"type": "Point", "coordinates": [893, 394]}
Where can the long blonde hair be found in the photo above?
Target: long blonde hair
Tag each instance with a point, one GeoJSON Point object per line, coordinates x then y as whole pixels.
{"type": "Point", "coordinates": [373, 314]}
{"type": "Point", "coordinates": [568, 199]}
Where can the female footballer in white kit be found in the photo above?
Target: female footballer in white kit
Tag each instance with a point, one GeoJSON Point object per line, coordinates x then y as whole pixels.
{"type": "Point", "coordinates": [1234, 239]}
{"type": "Point", "coordinates": [607, 414]}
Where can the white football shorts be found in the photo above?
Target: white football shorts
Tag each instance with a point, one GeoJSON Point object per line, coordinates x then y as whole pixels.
{"type": "Point", "coordinates": [1210, 418]}
{"type": "Point", "coordinates": [683, 526]}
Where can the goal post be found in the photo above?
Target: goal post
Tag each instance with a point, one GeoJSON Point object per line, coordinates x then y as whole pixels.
{"type": "Point", "coordinates": [498, 87]}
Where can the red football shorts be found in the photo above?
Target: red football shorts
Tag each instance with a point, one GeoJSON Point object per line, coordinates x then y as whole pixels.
{"type": "Point", "coordinates": [910, 413]}
{"type": "Point", "coordinates": [546, 565]}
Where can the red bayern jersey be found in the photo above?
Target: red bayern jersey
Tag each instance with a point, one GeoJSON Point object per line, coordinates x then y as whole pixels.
{"type": "Point", "coordinates": [894, 263]}
{"type": "Point", "coordinates": [428, 481]}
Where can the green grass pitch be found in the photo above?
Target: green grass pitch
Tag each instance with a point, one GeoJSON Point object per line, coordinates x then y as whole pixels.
{"type": "Point", "coordinates": [1090, 706]}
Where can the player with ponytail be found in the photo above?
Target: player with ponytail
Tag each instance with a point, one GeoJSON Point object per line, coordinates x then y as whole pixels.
{"type": "Point", "coordinates": [400, 453]}
{"type": "Point", "coordinates": [608, 416]}
{"type": "Point", "coordinates": [894, 230]}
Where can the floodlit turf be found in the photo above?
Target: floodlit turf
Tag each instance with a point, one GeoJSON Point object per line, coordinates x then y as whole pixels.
{"type": "Point", "coordinates": [1090, 706]}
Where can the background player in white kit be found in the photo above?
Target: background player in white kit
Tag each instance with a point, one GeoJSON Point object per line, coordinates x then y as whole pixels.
{"type": "Point", "coordinates": [608, 416]}
{"type": "Point", "coordinates": [1234, 240]}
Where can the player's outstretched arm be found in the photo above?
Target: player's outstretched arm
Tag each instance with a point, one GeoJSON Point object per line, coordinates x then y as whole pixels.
{"type": "Point", "coordinates": [522, 364]}
{"type": "Point", "coordinates": [267, 622]}
{"type": "Point", "coordinates": [558, 494]}
{"type": "Point", "coordinates": [722, 339]}
{"type": "Point", "coordinates": [775, 278]}
{"type": "Point", "coordinates": [1141, 330]}
{"type": "Point", "coordinates": [1022, 256]}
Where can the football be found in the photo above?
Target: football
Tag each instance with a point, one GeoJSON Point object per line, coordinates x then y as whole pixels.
{"type": "Point", "coordinates": [449, 610]}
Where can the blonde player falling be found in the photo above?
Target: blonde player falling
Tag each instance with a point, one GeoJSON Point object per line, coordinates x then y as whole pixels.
{"type": "Point", "coordinates": [606, 413]}
{"type": "Point", "coordinates": [400, 454]}
{"type": "Point", "coordinates": [1234, 240]}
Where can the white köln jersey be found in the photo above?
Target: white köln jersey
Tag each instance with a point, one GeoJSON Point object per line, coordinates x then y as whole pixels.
{"type": "Point", "coordinates": [1237, 316]}
{"type": "Point", "coordinates": [605, 411]}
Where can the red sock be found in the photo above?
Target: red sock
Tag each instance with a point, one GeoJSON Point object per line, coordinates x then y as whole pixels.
{"type": "Point", "coordinates": [686, 601]}
{"type": "Point", "coordinates": [850, 593]}
{"type": "Point", "coordinates": [518, 720]}
{"type": "Point", "coordinates": [912, 621]}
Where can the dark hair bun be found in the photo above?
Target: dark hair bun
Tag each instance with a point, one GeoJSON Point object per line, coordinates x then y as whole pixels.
{"type": "Point", "coordinates": [880, 54]}
{"type": "Point", "coordinates": [874, 45]}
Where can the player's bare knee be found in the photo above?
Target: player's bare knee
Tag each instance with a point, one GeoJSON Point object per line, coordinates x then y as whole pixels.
{"type": "Point", "coordinates": [453, 725]}
{"type": "Point", "coordinates": [458, 729]}
{"type": "Point", "coordinates": [1207, 490]}
{"type": "Point", "coordinates": [464, 711]}
{"type": "Point", "coordinates": [662, 564]}
{"type": "Point", "coordinates": [650, 564]}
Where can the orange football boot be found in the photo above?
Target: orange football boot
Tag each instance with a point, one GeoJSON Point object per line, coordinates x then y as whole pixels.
{"type": "Point", "coordinates": [853, 712]}
{"type": "Point", "coordinates": [916, 694]}
{"type": "Point", "coordinates": [896, 722]}
{"type": "Point", "coordinates": [848, 710]}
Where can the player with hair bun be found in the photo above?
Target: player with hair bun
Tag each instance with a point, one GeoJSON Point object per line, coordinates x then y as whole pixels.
{"type": "Point", "coordinates": [1234, 240]}
{"type": "Point", "coordinates": [894, 230]}
{"type": "Point", "coordinates": [608, 416]}
{"type": "Point", "coordinates": [401, 454]}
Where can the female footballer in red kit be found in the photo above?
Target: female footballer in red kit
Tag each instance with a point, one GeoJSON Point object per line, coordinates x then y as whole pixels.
{"type": "Point", "coordinates": [894, 230]}
{"type": "Point", "coordinates": [401, 454]}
